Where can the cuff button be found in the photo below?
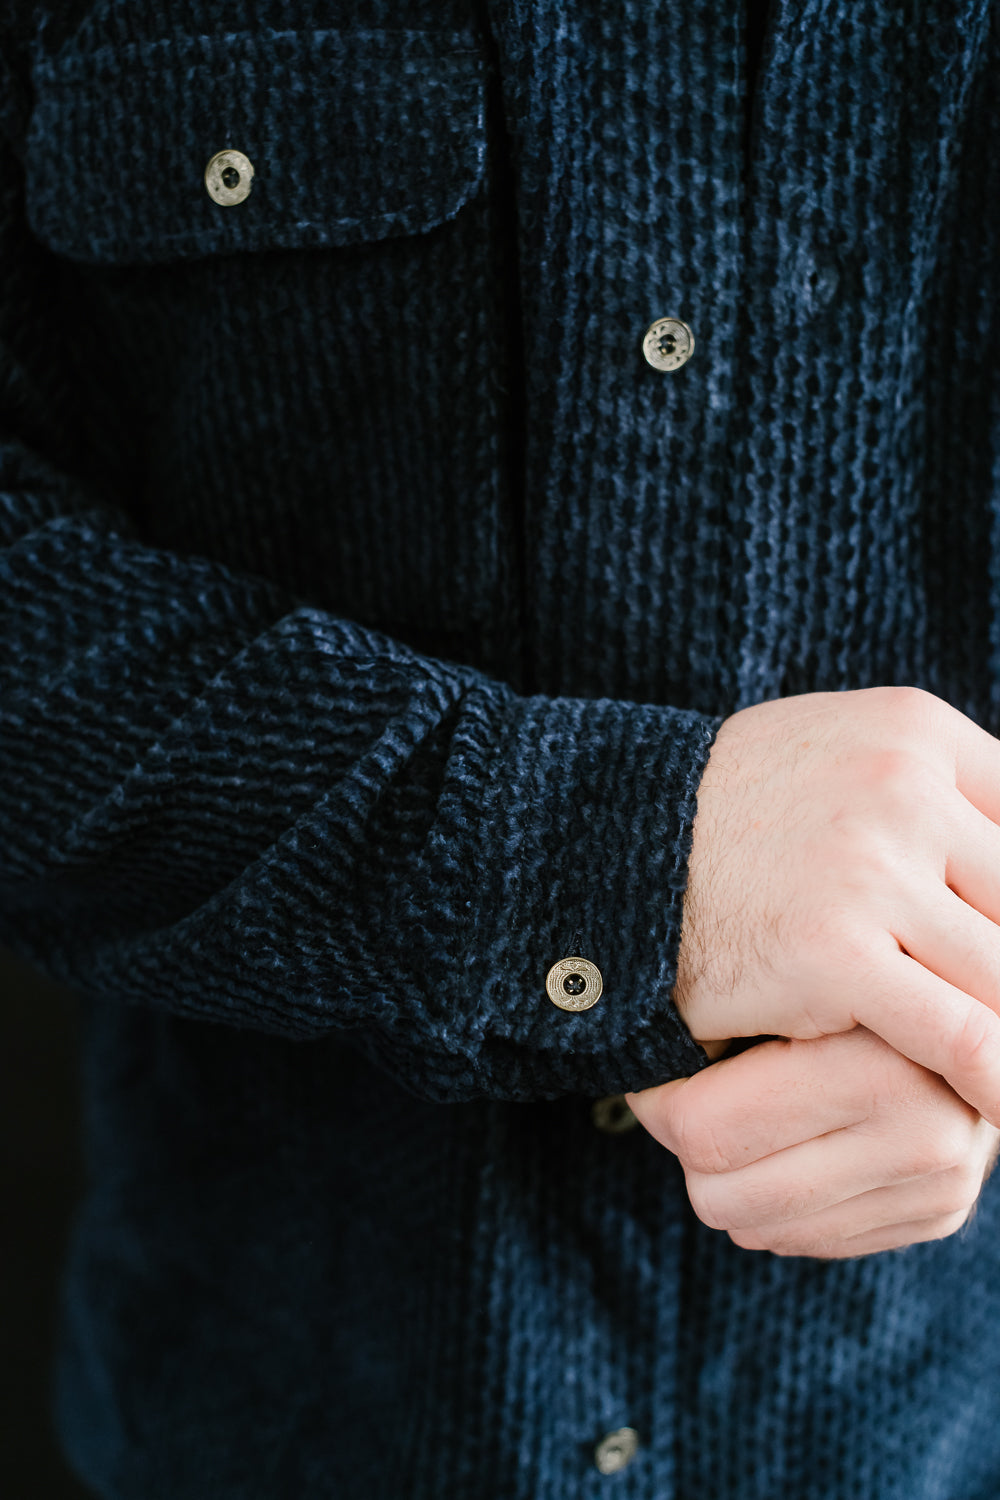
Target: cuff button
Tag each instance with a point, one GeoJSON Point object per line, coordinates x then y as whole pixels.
{"type": "Point", "coordinates": [574, 984]}
{"type": "Point", "coordinates": [228, 177]}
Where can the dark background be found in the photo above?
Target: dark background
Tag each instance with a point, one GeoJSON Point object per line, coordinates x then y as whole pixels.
{"type": "Point", "coordinates": [40, 1180]}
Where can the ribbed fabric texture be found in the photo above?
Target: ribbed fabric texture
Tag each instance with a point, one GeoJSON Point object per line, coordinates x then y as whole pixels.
{"type": "Point", "coordinates": [368, 608]}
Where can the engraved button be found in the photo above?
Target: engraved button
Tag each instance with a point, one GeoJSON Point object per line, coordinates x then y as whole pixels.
{"type": "Point", "coordinates": [616, 1450]}
{"type": "Point", "coordinates": [228, 176]}
{"type": "Point", "coordinates": [574, 984]}
{"type": "Point", "coordinates": [668, 344]}
{"type": "Point", "coordinates": [612, 1115]}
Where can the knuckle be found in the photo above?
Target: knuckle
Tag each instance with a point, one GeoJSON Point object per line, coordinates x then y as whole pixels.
{"type": "Point", "coordinates": [904, 705]}
{"type": "Point", "coordinates": [952, 1148]}
{"type": "Point", "coordinates": [898, 1082]}
{"type": "Point", "coordinates": [700, 1144]}
{"type": "Point", "coordinates": [974, 1048]}
{"type": "Point", "coordinates": [775, 1204]}
{"type": "Point", "coordinates": [903, 783]}
{"type": "Point", "coordinates": [888, 767]}
{"type": "Point", "coordinates": [711, 1202]}
{"type": "Point", "coordinates": [779, 1243]}
{"type": "Point", "coordinates": [738, 1203]}
{"type": "Point", "coordinates": [746, 1239]}
{"type": "Point", "coordinates": [943, 1150]}
{"type": "Point", "coordinates": [961, 1190]}
{"type": "Point", "coordinates": [949, 1224]}
{"type": "Point", "coordinates": [799, 1242]}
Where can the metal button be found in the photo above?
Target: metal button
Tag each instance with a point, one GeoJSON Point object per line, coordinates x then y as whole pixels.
{"type": "Point", "coordinates": [228, 176]}
{"type": "Point", "coordinates": [612, 1115]}
{"type": "Point", "coordinates": [668, 344]}
{"type": "Point", "coordinates": [616, 1450]}
{"type": "Point", "coordinates": [574, 984]}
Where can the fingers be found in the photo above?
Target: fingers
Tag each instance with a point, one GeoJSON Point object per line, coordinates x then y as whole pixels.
{"type": "Point", "coordinates": [972, 868]}
{"type": "Point", "coordinates": [907, 1213]}
{"type": "Point", "coordinates": [840, 1185]}
{"type": "Point", "coordinates": [955, 941]}
{"type": "Point", "coordinates": [938, 1025]}
{"type": "Point", "coordinates": [891, 1237]}
{"type": "Point", "coordinates": [829, 1147]}
{"type": "Point", "coordinates": [977, 768]}
{"type": "Point", "coordinates": [803, 1201]}
{"type": "Point", "coordinates": [774, 1096]}
{"type": "Point", "coordinates": [826, 1174]}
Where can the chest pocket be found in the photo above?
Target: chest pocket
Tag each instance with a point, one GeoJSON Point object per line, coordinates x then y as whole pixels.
{"type": "Point", "coordinates": [313, 364]}
{"type": "Point", "coordinates": [352, 136]}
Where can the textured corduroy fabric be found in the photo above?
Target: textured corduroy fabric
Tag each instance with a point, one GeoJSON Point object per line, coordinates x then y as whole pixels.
{"type": "Point", "coordinates": [367, 611]}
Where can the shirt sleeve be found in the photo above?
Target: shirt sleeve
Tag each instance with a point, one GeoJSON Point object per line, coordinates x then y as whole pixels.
{"type": "Point", "coordinates": [222, 801]}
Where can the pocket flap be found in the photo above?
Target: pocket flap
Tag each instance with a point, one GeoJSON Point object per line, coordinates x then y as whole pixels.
{"type": "Point", "coordinates": [352, 135]}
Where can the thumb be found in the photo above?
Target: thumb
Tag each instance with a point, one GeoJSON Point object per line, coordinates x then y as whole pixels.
{"type": "Point", "coordinates": [658, 1109]}
{"type": "Point", "coordinates": [655, 1107]}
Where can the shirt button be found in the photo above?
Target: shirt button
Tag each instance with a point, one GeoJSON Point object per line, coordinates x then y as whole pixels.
{"type": "Point", "coordinates": [668, 344]}
{"type": "Point", "coordinates": [574, 984]}
{"type": "Point", "coordinates": [616, 1450]}
{"type": "Point", "coordinates": [612, 1115]}
{"type": "Point", "coordinates": [228, 176]}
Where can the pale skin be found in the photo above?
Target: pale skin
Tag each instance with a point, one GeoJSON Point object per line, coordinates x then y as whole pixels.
{"type": "Point", "coordinates": [844, 897]}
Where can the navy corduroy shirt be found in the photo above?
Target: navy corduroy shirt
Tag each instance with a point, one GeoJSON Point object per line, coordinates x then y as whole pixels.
{"type": "Point", "coordinates": [368, 608]}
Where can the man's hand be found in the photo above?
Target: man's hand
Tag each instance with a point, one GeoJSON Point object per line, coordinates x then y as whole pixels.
{"type": "Point", "coordinates": [845, 870]}
{"type": "Point", "coordinates": [833, 1147]}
